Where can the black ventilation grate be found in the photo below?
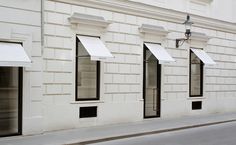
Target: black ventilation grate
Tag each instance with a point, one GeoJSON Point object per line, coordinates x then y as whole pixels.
{"type": "Point", "coordinates": [197, 105]}
{"type": "Point", "coordinates": [87, 112]}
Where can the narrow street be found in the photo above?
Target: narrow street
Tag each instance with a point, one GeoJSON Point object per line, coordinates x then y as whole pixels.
{"type": "Point", "coordinates": [222, 134]}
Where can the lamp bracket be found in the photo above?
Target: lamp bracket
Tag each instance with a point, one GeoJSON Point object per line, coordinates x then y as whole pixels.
{"type": "Point", "coordinates": [180, 42]}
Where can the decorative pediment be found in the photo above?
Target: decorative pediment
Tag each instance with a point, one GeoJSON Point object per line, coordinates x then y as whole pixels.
{"type": "Point", "coordinates": [154, 30]}
{"type": "Point", "coordinates": [91, 20]}
{"type": "Point", "coordinates": [197, 36]}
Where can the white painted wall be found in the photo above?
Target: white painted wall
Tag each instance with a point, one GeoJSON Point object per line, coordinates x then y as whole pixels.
{"type": "Point", "coordinates": [20, 21]}
{"type": "Point", "coordinates": [121, 100]}
{"type": "Point", "coordinates": [121, 76]}
{"type": "Point", "coordinates": [218, 9]}
{"type": "Point", "coordinates": [223, 10]}
{"type": "Point", "coordinates": [234, 11]}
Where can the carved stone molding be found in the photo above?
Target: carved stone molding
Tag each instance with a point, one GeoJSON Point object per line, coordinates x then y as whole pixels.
{"type": "Point", "coordinates": [154, 12]}
{"type": "Point", "coordinates": [197, 36]}
{"type": "Point", "coordinates": [90, 20]}
{"type": "Point", "coordinates": [154, 30]}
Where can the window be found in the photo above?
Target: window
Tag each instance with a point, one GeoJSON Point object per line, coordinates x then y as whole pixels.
{"type": "Point", "coordinates": [196, 76]}
{"type": "Point", "coordinates": [10, 100]}
{"type": "Point", "coordinates": [151, 84]}
{"type": "Point", "coordinates": [87, 75]}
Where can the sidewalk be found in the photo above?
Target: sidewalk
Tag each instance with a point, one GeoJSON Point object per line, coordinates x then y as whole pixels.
{"type": "Point", "coordinates": [108, 132]}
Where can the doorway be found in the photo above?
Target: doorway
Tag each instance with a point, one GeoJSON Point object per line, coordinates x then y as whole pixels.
{"type": "Point", "coordinates": [10, 101]}
{"type": "Point", "coordinates": [151, 85]}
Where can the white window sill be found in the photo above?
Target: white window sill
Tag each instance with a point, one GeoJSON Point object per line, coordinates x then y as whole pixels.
{"type": "Point", "coordinates": [196, 98]}
{"type": "Point", "coordinates": [87, 102]}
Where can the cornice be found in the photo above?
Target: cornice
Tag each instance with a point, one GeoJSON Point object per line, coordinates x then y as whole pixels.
{"type": "Point", "coordinates": [196, 36]}
{"type": "Point", "coordinates": [85, 19]}
{"type": "Point", "coordinates": [148, 11]}
{"type": "Point", "coordinates": [152, 29]}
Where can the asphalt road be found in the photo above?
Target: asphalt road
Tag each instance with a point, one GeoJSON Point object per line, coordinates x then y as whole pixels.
{"type": "Point", "coordinates": [221, 134]}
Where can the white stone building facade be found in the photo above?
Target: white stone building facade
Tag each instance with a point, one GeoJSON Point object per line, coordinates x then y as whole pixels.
{"type": "Point", "coordinates": [21, 94]}
{"type": "Point", "coordinates": [128, 81]}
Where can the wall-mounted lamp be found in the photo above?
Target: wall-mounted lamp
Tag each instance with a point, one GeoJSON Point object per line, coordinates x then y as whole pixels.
{"type": "Point", "coordinates": [188, 24]}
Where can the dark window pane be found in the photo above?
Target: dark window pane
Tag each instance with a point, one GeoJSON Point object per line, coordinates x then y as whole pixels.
{"type": "Point", "coordinates": [151, 84]}
{"type": "Point", "coordinates": [195, 76]}
{"type": "Point", "coordinates": [9, 98]}
{"type": "Point", "coordinates": [86, 75]}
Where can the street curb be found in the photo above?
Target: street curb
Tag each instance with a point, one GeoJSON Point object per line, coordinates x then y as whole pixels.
{"type": "Point", "coordinates": [149, 133]}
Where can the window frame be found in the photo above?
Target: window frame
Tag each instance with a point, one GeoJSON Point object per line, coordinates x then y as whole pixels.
{"type": "Point", "coordinates": [20, 102]}
{"type": "Point", "coordinates": [201, 75]}
{"type": "Point", "coordinates": [76, 75]}
{"type": "Point", "coordinates": [20, 96]}
{"type": "Point", "coordinates": [159, 81]}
